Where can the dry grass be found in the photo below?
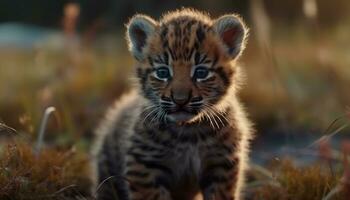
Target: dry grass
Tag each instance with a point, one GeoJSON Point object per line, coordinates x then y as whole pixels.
{"type": "Point", "coordinates": [289, 182]}
{"type": "Point", "coordinates": [64, 174]}
{"type": "Point", "coordinates": [299, 79]}
{"type": "Point", "coordinates": [52, 174]}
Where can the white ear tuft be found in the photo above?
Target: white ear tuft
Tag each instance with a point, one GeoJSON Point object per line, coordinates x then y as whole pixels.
{"type": "Point", "coordinates": [139, 29]}
{"type": "Point", "coordinates": [232, 32]}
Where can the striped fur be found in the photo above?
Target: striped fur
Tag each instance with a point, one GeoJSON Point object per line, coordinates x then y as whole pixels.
{"type": "Point", "coordinates": [185, 134]}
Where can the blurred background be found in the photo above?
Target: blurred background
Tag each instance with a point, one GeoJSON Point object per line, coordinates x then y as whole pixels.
{"type": "Point", "coordinates": [72, 55]}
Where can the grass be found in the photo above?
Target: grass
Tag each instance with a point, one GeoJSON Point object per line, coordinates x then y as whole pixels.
{"type": "Point", "coordinates": [327, 178]}
{"type": "Point", "coordinates": [57, 173]}
{"type": "Point", "coordinates": [290, 181]}
{"type": "Point", "coordinates": [52, 174]}
{"type": "Point", "coordinates": [28, 172]}
{"type": "Point", "coordinates": [299, 79]}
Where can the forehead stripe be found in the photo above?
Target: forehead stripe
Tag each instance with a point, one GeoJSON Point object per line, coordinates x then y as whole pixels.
{"type": "Point", "coordinates": [200, 34]}
{"type": "Point", "coordinates": [173, 57]}
{"type": "Point", "coordinates": [215, 60]}
{"type": "Point", "coordinates": [196, 58]}
{"type": "Point", "coordinates": [203, 59]}
{"type": "Point", "coordinates": [166, 58]}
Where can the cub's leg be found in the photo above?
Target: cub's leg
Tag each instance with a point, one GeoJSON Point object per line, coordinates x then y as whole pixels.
{"type": "Point", "coordinates": [111, 184]}
{"type": "Point", "coordinates": [219, 180]}
{"type": "Point", "coordinates": [148, 178]}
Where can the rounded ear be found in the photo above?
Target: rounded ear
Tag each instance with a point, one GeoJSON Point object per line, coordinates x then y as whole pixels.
{"type": "Point", "coordinates": [139, 28]}
{"type": "Point", "coordinates": [232, 32]}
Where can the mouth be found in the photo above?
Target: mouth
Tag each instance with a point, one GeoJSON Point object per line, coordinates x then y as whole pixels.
{"type": "Point", "coordinates": [180, 116]}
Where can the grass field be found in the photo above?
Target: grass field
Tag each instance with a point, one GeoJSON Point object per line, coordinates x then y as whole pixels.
{"type": "Point", "coordinates": [298, 77]}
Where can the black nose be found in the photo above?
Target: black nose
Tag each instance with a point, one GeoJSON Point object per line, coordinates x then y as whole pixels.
{"type": "Point", "coordinates": [181, 97]}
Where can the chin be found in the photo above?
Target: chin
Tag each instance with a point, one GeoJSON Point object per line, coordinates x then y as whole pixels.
{"type": "Point", "coordinates": [181, 117]}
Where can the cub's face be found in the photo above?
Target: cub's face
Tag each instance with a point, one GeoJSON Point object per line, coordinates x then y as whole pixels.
{"type": "Point", "coordinates": [185, 62]}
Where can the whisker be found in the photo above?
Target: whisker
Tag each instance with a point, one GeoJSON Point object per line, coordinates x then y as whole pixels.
{"type": "Point", "coordinates": [214, 118]}
{"type": "Point", "coordinates": [148, 107]}
{"type": "Point", "coordinates": [149, 114]}
{"type": "Point", "coordinates": [216, 114]}
{"type": "Point", "coordinates": [156, 115]}
{"type": "Point", "coordinates": [207, 114]}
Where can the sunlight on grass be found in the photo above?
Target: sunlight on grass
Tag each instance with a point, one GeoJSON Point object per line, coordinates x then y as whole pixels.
{"type": "Point", "coordinates": [54, 174]}
{"type": "Point", "coordinates": [293, 182]}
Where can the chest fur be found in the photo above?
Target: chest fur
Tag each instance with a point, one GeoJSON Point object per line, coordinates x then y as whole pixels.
{"type": "Point", "coordinates": [180, 157]}
{"type": "Point", "coordinates": [185, 160]}
{"type": "Point", "coordinates": [185, 155]}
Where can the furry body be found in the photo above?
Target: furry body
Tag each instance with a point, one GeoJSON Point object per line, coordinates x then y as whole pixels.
{"type": "Point", "coordinates": [183, 130]}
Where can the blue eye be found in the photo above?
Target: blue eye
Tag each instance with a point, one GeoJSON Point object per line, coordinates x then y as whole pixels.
{"type": "Point", "coordinates": [201, 73]}
{"type": "Point", "coordinates": [163, 73]}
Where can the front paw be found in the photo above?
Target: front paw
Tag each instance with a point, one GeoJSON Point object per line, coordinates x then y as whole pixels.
{"type": "Point", "coordinates": [209, 193]}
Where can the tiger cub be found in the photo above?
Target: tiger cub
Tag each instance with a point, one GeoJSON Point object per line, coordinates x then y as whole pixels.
{"type": "Point", "coordinates": [182, 133]}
